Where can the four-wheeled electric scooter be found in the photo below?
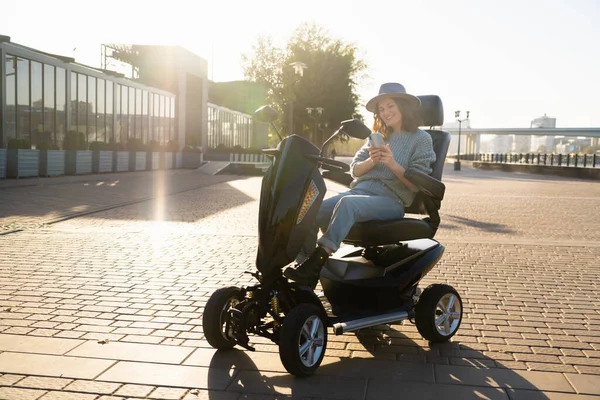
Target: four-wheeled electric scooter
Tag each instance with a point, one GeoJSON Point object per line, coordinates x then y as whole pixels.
{"type": "Point", "coordinates": [371, 280]}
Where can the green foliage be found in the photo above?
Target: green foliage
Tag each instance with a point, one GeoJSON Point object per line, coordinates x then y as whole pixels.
{"type": "Point", "coordinates": [45, 141]}
{"type": "Point", "coordinates": [100, 146]}
{"type": "Point", "coordinates": [116, 146]}
{"type": "Point", "coordinates": [154, 145]}
{"type": "Point", "coordinates": [22, 144]}
{"type": "Point", "coordinates": [75, 141]}
{"type": "Point", "coordinates": [136, 145]}
{"type": "Point", "coordinates": [172, 146]}
{"type": "Point", "coordinates": [329, 81]}
{"type": "Point", "coordinates": [191, 149]}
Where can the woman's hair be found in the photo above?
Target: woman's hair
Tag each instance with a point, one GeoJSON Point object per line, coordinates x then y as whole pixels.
{"type": "Point", "coordinates": [410, 120]}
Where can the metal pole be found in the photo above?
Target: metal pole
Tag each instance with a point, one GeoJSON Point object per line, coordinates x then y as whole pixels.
{"type": "Point", "coordinates": [457, 163]}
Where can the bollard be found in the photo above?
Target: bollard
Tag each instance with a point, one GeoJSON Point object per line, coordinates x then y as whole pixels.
{"type": "Point", "coordinates": [576, 158]}
{"type": "Point", "coordinates": [584, 160]}
{"type": "Point", "coordinates": [594, 161]}
{"type": "Point", "coordinates": [568, 159]}
{"type": "Point", "coordinates": [545, 158]}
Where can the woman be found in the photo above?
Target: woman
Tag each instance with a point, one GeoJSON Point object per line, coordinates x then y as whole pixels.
{"type": "Point", "coordinates": [379, 190]}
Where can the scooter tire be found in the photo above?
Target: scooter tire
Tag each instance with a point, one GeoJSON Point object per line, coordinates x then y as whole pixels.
{"type": "Point", "coordinates": [213, 318]}
{"type": "Point", "coordinates": [293, 335]}
{"type": "Point", "coordinates": [427, 312]}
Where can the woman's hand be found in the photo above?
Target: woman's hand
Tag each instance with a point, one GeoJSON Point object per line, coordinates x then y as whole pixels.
{"type": "Point", "coordinates": [375, 154]}
{"type": "Point", "coordinates": [386, 157]}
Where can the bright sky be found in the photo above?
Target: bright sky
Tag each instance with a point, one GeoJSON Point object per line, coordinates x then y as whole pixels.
{"type": "Point", "coordinates": [506, 61]}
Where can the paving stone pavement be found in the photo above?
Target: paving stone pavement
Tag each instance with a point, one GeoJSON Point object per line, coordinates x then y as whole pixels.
{"type": "Point", "coordinates": [108, 304]}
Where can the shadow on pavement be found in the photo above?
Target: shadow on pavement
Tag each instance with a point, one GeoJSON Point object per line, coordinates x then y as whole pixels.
{"type": "Point", "coordinates": [484, 226]}
{"type": "Point", "coordinates": [370, 378]}
{"type": "Point", "coordinates": [153, 193]}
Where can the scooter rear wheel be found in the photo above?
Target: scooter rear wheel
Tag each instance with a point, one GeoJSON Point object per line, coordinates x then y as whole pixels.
{"type": "Point", "coordinates": [303, 340]}
{"type": "Point", "coordinates": [215, 316]}
{"type": "Point", "coordinates": [438, 313]}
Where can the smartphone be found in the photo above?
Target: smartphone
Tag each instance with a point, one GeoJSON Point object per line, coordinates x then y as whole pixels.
{"type": "Point", "coordinates": [376, 140]}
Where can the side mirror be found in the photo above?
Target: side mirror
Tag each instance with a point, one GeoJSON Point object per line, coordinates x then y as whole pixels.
{"type": "Point", "coordinates": [266, 114]}
{"type": "Point", "coordinates": [355, 128]}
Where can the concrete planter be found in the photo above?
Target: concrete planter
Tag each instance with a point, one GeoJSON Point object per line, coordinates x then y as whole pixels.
{"type": "Point", "coordinates": [22, 163]}
{"type": "Point", "coordinates": [52, 162]}
{"type": "Point", "coordinates": [192, 160]}
{"type": "Point", "coordinates": [102, 161]}
{"type": "Point", "coordinates": [168, 160]}
{"type": "Point", "coordinates": [137, 161]}
{"type": "Point", "coordinates": [120, 161]}
{"type": "Point", "coordinates": [178, 160]}
{"type": "Point", "coordinates": [2, 163]}
{"type": "Point", "coordinates": [153, 160]}
{"type": "Point", "coordinates": [78, 162]}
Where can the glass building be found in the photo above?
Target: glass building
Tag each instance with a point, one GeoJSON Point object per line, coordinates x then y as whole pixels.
{"type": "Point", "coordinates": [45, 95]}
{"type": "Point", "coordinates": [228, 128]}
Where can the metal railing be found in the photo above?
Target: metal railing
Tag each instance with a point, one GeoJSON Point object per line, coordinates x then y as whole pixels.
{"type": "Point", "coordinates": [560, 160]}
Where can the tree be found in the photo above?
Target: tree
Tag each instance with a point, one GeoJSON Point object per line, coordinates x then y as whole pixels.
{"type": "Point", "coordinates": [329, 81]}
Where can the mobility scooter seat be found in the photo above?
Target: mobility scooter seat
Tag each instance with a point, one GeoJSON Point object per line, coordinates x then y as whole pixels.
{"type": "Point", "coordinates": [377, 233]}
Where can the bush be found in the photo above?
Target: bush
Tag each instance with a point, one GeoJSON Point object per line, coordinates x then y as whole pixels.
{"type": "Point", "coordinates": [136, 145]}
{"type": "Point", "coordinates": [172, 146]}
{"type": "Point", "coordinates": [75, 141]}
{"type": "Point", "coordinates": [46, 146]}
{"type": "Point", "coordinates": [154, 145]}
{"type": "Point", "coordinates": [116, 146]}
{"type": "Point", "coordinates": [97, 146]}
{"type": "Point", "coordinates": [190, 149]}
{"type": "Point", "coordinates": [22, 144]}
{"type": "Point", "coordinates": [45, 141]}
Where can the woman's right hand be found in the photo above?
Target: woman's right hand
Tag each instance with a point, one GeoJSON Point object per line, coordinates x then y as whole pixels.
{"type": "Point", "coordinates": [374, 154]}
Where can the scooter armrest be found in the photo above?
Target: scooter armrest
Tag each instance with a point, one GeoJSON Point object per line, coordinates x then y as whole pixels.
{"type": "Point", "coordinates": [426, 184]}
{"type": "Point", "coordinates": [338, 176]}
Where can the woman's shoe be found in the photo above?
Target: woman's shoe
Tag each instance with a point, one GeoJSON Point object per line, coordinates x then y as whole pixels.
{"type": "Point", "coordinates": [309, 271]}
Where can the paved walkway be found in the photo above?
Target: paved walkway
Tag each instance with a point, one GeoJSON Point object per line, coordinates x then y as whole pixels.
{"type": "Point", "coordinates": [107, 305]}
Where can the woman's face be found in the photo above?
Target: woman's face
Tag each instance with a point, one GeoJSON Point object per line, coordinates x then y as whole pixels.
{"type": "Point", "coordinates": [390, 113]}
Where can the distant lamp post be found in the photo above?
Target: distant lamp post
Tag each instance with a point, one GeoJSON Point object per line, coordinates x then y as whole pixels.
{"type": "Point", "coordinates": [460, 121]}
{"type": "Point", "coordinates": [299, 68]}
{"type": "Point", "coordinates": [315, 114]}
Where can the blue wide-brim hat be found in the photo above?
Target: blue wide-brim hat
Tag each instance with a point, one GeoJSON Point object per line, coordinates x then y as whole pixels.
{"type": "Point", "coordinates": [396, 91]}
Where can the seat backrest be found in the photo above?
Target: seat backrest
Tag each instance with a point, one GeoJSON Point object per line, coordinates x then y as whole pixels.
{"type": "Point", "coordinates": [431, 113]}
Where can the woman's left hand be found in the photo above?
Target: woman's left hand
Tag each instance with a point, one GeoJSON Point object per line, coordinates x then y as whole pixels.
{"type": "Point", "coordinates": [386, 157]}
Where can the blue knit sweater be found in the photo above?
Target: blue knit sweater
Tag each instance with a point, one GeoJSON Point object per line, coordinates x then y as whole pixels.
{"type": "Point", "coordinates": [411, 150]}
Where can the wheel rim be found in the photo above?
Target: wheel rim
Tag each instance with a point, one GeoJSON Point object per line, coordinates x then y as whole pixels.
{"type": "Point", "coordinates": [232, 302]}
{"type": "Point", "coordinates": [448, 313]}
{"type": "Point", "coordinates": [311, 341]}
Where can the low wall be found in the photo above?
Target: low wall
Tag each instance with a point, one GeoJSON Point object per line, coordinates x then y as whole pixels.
{"type": "Point", "coordinates": [571, 172]}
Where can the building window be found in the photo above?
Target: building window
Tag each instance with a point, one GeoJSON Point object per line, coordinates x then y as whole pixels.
{"type": "Point", "coordinates": [109, 112]}
{"type": "Point", "coordinates": [131, 113]}
{"type": "Point", "coordinates": [82, 104]}
{"type": "Point", "coordinates": [37, 103]}
{"type": "Point", "coordinates": [10, 131]}
{"type": "Point", "coordinates": [91, 107]}
{"type": "Point", "coordinates": [23, 108]}
{"type": "Point", "coordinates": [124, 114]}
{"type": "Point", "coordinates": [49, 104]}
{"type": "Point", "coordinates": [61, 105]}
{"type": "Point", "coordinates": [101, 111]}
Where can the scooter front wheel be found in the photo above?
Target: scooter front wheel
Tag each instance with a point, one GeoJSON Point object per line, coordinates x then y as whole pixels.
{"type": "Point", "coordinates": [215, 316]}
{"type": "Point", "coordinates": [438, 313]}
{"type": "Point", "coordinates": [303, 340]}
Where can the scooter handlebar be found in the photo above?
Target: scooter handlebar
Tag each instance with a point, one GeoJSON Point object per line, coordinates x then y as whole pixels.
{"type": "Point", "coordinates": [329, 164]}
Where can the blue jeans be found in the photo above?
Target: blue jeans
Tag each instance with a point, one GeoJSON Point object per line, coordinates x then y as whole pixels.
{"type": "Point", "coordinates": [369, 200]}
